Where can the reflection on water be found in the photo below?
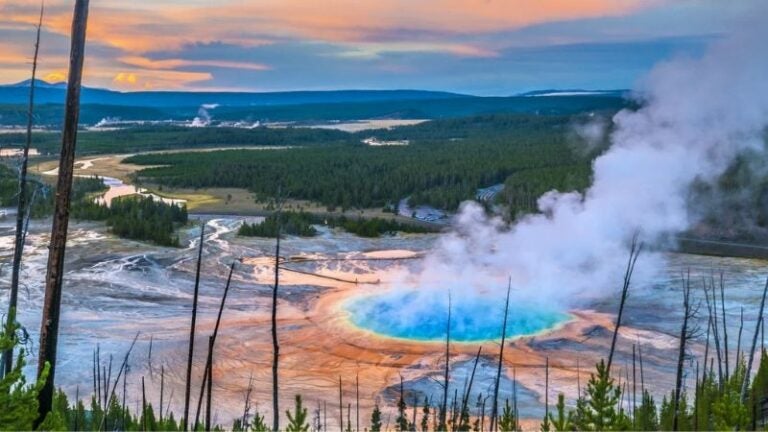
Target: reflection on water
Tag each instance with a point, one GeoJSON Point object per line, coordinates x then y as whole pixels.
{"type": "Point", "coordinates": [117, 189]}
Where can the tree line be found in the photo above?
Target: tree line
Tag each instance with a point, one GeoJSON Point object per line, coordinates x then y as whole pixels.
{"type": "Point", "coordinates": [301, 224]}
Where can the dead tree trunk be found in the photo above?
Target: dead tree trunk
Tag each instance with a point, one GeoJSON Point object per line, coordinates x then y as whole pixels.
{"type": "Point", "coordinates": [745, 383]}
{"type": "Point", "coordinates": [275, 342]}
{"type": "Point", "coordinates": [49, 329]}
{"type": "Point", "coordinates": [207, 374]}
{"type": "Point", "coordinates": [738, 343]}
{"type": "Point", "coordinates": [514, 398]}
{"type": "Point", "coordinates": [464, 420]}
{"type": "Point", "coordinates": [634, 252]}
{"type": "Point", "coordinates": [725, 327]}
{"type": "Point", "coordinates": [442, 426]}
{"type": "Point", "coordinates": [712, 308]}
{"type": "Point", "coordinates": [706, 347]}
{"type": "Point", "coordinates": [190, 354]}
{"type": "Point", "coordinates": [18, 245]}
{"type": "Point", "coordinates": [117, 380]}
{"type": "Point", "coordinates": [634, 382]}
{"type": "Point", "coordinates": [686, 333]}
{"type": "Point", "coordinates": [495, 402]}
{"type": "Point", "coordinates": [341, 408]}
{"type": "Point", "coordinates": [642, 372]}
{"type": "Point", "coordinates": [162, 391]}
{"type": "Point", "coordinates": [546, 390]}
{"type": "Point", "coordinates": [143, 406]}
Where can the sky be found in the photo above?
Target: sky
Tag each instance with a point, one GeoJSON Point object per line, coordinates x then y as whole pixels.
{"type": "Point", "coordinates": [482, 47]}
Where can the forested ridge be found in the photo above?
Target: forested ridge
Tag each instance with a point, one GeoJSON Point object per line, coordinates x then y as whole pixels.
{"type": "Point", "coordinates": [148, 138]}
{"type": "Point", "coordinates": [434, 106]}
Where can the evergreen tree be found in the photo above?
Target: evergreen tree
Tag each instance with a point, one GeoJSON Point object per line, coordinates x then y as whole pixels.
{"type": "Point", "coordinates": [728, 412]}
{"type": "Point", "coordinates": [376, 419]}
{"type": "Point", "coordinates": [598, 411]}
{"type": "Point", "coordinates": [646, 418]}
{"type": "Point", "coordinates": [297, 421]}
{"type": "Point", "coordinates": [425, 416]}
{"type": "Point", "coordinates": [507, 420]}
{"type": "Point", "coordinates": [18, 400]}
{"type": "Point", "coordinates": [564, 420]}
{"type": "Point", "coordinates": [759, 389]}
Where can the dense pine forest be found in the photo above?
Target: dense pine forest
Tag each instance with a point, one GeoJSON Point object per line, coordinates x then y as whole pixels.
{"type": "Point", "coordinates": [136, 217]}
{"type": "Point", "coordinates": [445, 163]}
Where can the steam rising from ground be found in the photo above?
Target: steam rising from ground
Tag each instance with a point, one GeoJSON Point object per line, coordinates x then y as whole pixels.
{"type": "Point", "coordinates": [697, 115]}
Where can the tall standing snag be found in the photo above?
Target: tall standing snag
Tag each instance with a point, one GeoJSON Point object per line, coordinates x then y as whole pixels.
{"type": "Point", "coordinates": [275, 341]}
{"type": "Point", "coordinates": [191, 353]}
{"type": "Point", "coordinates": [49, 328]}
{"type": "Point", "coordinates": [725, 327]}
{"type": "Point", "coordinates": [18, 245]}
{"type": "Point", "coordinates": [208, 373]}
{"type": "Point", "coordinates": [634, 252]}
{"type": "Point", "coordinates": [495, 406]}
{"type": "Point", "coordinates": [686, 333]}
{"type": "Point", "coordinates": [444, 408]}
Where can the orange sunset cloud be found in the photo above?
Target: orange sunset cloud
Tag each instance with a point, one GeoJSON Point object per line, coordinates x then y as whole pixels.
{"type": "Point", "coordinates": [161, 27]}
{"type": "Point", "coordinates": [142, 44]}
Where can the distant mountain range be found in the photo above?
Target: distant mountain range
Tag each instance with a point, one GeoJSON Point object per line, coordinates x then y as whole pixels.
{"type": "Point", "coordinates": [18, 93]}
{"type": "Point", "coordinates": [294, 106]}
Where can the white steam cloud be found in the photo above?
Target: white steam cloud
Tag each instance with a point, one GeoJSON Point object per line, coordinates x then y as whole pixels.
{"type": "Point", "coordinates": [203, 118]}
{"type": "Point", "coordinates": [696, 116]}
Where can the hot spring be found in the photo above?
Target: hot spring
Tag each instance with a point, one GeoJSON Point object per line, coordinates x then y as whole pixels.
{"type": "Point", "coordinates": [418, 316]}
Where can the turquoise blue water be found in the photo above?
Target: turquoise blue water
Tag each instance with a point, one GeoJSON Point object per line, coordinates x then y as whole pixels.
{"type": "Point", "coordinates": [416, 316]}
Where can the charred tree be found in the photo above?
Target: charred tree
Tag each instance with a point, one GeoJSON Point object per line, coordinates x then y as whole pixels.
{"type": "Point", "coordinates": [687, 333]}
{"type": "Point", "coordinates": [442, 426]}
{"type": "Point", "coordinates": [49, 329]}
{"type": "Point", "coordinates": [191, 352]}
{"type": "Point", "coordinates": [738, 343]}
{"type": "Point", "coordinates": [745, 383]}
{"type": "Point", "coordinates": [634, 252]}
{"type": "Point", "coordinates": [207, 373]}
{"type": "Point", "coordinates": [357, 402]}
{"type": "Point", "coordinates": [341, 408]}
{"type": "Point", "coordinates": [464, 415]}
{"type": "Point", "coordinates": [725, 327]}
{"type": "Point", "coordinates": [18, 244]}
{"type": "Point", "coordinates": [275, 341]}
{"type": "Point", "coordinates": [162, 390]}
{"type": "Point", "coordinates": [123, 368]}
{"type": "Point", "coordinates": [495, 402]}
{"type": "Point", "coordinates": [143, 406]}
{"type": "Point", "coordinates": [712, 308]}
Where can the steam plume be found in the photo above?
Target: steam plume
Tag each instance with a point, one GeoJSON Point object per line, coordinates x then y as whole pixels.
{"type": "Point", "coordinates": [696, 116]}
